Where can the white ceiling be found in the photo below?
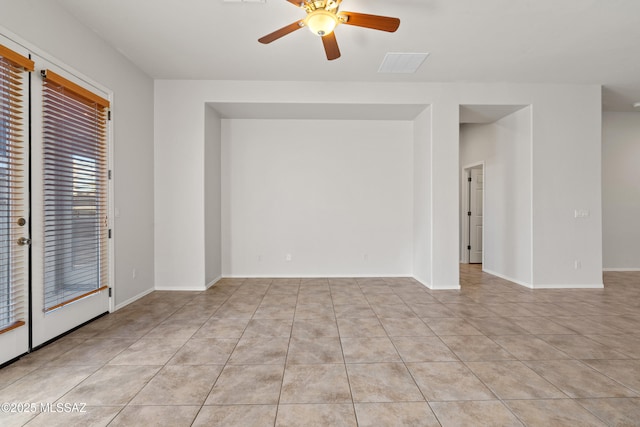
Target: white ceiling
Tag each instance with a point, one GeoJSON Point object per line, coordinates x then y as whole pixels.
{"type": "Point", "coordinates": [519, 41]}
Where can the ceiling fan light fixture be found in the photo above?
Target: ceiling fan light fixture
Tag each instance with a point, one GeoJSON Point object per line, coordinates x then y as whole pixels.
{"type": "Point", "coordinates": [321, 22]}
{"type": "Point", "coordinates": [323, 17]}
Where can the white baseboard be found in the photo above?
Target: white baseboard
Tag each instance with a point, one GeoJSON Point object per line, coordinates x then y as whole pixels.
{"type": "Point", "coordinates": [423, 282]}
{"type": "Point", "coordinates": [166, 288]}
{"type": "Point", "coordinates": [428, 285]}
{"type": "Point", "coordinates": [548, 285]}
{"type": "Point", "coordinates": [181, 288]}
{"type": "Point", "coordinates": [420, 280]}
{"type": "Point", "coordinates": [213, 282]}
{"type": "Point", "coordinates": [217, 279]}
{"type": "Point", "coordinates": [511, 279]}
{"type": "Point", "coordinates": [569, 286]}
{"type": "Point", "coordinates": [445, 288]}
{"type": "Point", "coordinates": [133, 299]}
{"type": "Point", "coordinates": [314, 276]}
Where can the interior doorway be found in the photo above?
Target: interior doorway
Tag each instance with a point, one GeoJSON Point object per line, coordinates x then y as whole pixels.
{"type": "Point", "coordinates": [497, 140]}
{"type": "Point", "coordinates": [473, 214]}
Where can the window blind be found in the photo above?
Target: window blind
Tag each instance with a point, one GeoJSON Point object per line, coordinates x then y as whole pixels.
{"type": "Point", "coordinates": [75, 154]}
{"type": "Point", "coordinates": [13, 68]}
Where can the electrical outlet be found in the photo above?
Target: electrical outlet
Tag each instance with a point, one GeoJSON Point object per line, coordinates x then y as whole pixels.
{"type": "Point", "coordinates": [133, 273]}
{"type": "Point", "coordinates": [287, 257]}
{"type": "Point", "coordinates": [581, 213]}
{"type": "Point", "coordinates": [577, 265]}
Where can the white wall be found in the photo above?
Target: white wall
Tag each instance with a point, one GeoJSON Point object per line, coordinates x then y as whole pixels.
{"type": "Point", "coordinates": [422, 197]}
{"type": "Point", "coordinates": [39, 24]}
{"type": "Point", "coordinates": [212, 196]}
{"type": "Point", "coordinates": [566, 163]}
{"type": "Point", "coordinates": [566, 123]}
{"type": "Point", "coordinates": [334, 194]}
{"type": "Point", "coordinates": [621, 190]}
{"type": "Point", "coordinates": [179, 196]}
{"type": "Point", "coordinates": [444, 181]}
{"type": "Point", "coordinates": [505, 148]}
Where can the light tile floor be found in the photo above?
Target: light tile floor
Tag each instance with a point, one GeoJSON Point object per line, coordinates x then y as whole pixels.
{"type": "Point", "coordinates": [347, 352]}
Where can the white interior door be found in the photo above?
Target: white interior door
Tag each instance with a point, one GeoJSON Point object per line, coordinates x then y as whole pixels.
{"type": "Point", "coordinates": [70, 226]}
{"type": "Point", "coordinates": [476, 189]}
{"type": "Point", "coordinates": [14, 201]}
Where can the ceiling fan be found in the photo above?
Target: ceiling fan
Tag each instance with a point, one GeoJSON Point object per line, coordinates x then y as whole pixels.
{"type": "Point", "coordinates": [323, 17]}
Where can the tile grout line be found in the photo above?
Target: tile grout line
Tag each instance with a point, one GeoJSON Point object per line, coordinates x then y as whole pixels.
{"type": "Point", "coordinates": [286, 357]}
{"type": "Point", "coordinates": [344, 360]}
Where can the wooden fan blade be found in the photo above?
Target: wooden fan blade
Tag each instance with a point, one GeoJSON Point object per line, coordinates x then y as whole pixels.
{"type": "Point", "coordinates": [297, 3]}
{"type": "Point", "coordinates": [331, 46]}
{"type": "Point", "coordinates": [375, 22]}
{"type": "Point", "coordinates": [281, 32]}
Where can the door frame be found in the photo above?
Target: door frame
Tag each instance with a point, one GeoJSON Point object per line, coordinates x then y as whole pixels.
{"type": "Point", "coordinates": [464, 208]}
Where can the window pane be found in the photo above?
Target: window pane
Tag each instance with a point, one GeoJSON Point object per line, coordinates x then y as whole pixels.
{"type": "Point", "coordinates": [75, 190]}
{"type": "Point", "coordinates": [12, 171]}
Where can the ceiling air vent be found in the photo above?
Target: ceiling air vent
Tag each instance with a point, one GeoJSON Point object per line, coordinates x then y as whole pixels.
{"type": "Point", "coordinates": [406, 63]}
